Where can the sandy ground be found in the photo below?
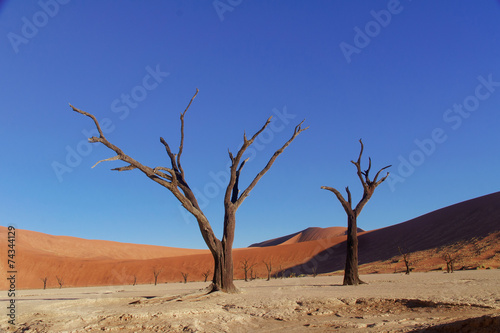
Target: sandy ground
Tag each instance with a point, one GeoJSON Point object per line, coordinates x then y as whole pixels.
{"type": "Point", "coordinates": [463, 301]}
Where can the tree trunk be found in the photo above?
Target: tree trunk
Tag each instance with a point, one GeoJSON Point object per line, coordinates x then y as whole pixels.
{"type": "Point", "coordinates": [223, 271]}
{"type": "Point", "coordinates": [223, 257]}
{"type": "Point", "coordinates": [351, 276]}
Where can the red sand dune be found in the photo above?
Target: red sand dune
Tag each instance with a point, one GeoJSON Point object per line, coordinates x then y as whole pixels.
{"type": "Point", "coordinates": [81, 262]}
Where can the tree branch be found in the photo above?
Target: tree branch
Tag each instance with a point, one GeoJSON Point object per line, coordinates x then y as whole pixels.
{"type": "Point", "coordinates": [378, 173]}
{"type": "Point", "coordinates": [368, 185]}
{"type": "Point", "coordinates": [234, 197]}
{"type": "Point", "coordinates": [91, 116]}
{"type": "Point", "coordinates": [169, 153]}
{"type": "Point", "coordinates": [181, 146]}
{"type": "Point", "coordinates": [358, 166]}
{"type": "Point", "coordinates": [187, 199]}
{"type": "Point", "coordinates": [349, 199]}
{"type": "Point", "coordinates": [298, 129]}
{"type": "Point", "coordinates": [346, 205]}
{"type": "Point", "coordinates": [114, 158]}
{"type": "Point", "coordinates": [125, 168]}
{"type": "Point", "coordinates": [236, 160]}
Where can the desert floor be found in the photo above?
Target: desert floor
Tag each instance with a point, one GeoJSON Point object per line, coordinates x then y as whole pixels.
{"type": "Point", "coordinates": [462, 301]}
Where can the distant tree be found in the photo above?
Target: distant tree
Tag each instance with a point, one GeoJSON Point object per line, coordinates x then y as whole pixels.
{"type": "Point", "coordinates": [60, 281]}
{"type": "Point", "coordinates": [450, 261]}
{"type": "Point", "coordinates": [253, 274]}
{"type": "Point", "coordinates": [269, 267]}
{"type": "Point", "coordinates": [173, 178]}
{"type": "Point", "coordinates": [134, 281]}
{"type": "Point", "coordinates": [246, 267]}
{"type": "Point", "coordinates": [406, 258]}
{"type": "Point", "coordinates": [206, 274]}
{"type": "Point", "coordinates": [351, 275]}
{"type": "Point", "coordinates": [185, 276]}
{"type": "Point", "coordinates": [156, 272]}
{"type": "Point", "coordinates": [44, 280]}
{"type": "Point", "coordinates": [315, 270]}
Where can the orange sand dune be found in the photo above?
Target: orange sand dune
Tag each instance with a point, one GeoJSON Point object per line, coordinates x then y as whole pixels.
{"type": "Point", "coordinates": [81, 262]}
{"type": "Point", "coordinates": [66, 246]}
{"type": "Point", "coordinates": [34, 265]}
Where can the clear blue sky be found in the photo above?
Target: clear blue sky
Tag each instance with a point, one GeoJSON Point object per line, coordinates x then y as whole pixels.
{"type": "Point", "coordinates": [419, 81]}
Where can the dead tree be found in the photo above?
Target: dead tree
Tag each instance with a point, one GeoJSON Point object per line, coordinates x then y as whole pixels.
{"type": "Point", "coordinates": [252, 275]}
{"type": "Point", "coordinates": [185, 276]}
{"type": "Point", "coordinates": [406, 258]}
{"type": "Point", "coordinates": [44, 280]}
{"type": "Point", "coordinates": [315, 271]}
{"type": "Point", "coordinates": [156, 273]}
{"type": "Point", "coordinates": [351, 275]}
{"type": "Point", "coordinates": [450, 262]}
{"type": "Point", "coordinates": [205, 275]}
{"type": "Point", "coordinates": [246, 268]}
{"type": "Point", "coordinates": [268, 268]}
{"type": "Point", "coordinates": [173, 178]}
{"type": "Point", "coordinates": [134, 282]}
{"type": "Point", "coordinates": [60, 281]}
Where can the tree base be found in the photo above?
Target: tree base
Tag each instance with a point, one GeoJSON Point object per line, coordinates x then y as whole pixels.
{"type": "Point", "coordinates": [354, 283]}
{"type": "Point", "coordinates": [214, 288]}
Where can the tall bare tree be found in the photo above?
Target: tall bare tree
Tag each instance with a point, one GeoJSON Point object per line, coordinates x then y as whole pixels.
{"type": "Point", "coordinates": [174, 179]}
{"type": "Point", "coordinates": [185, 276]}
{"type": "Point", "coordinates": [351, 275]}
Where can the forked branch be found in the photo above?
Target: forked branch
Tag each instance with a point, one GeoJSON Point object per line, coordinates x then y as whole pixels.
{"type": "Point", "coordinates": [368, 185]}
{"type": "Point", "coordinates": [298, 129]}
{"type": "Point", "coordinates": [173, 179]}
{"type": "Point", "coordinates": [364, 176]}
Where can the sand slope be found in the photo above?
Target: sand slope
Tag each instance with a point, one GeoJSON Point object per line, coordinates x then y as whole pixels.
{"type": "Point", "coordinates": [81, 262]}
{"type": "Point", "coordinates": [309, 234]}
{"type": "Point", "coordinates": [476, 218]}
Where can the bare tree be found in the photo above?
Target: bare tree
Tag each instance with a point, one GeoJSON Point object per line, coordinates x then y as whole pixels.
{"type": "Point", "coordinates": [60, 281]}
{"type": "Point", "coordinates": [205, 275]}
{"type": "Point", "coordinates": [134, 280]}
{"type": "Point", "coordinates": [450, 262]}
{"type": "Point", "coordinates": [351, 275]}
{"type": "Point", "coordinates": [44, 280]}
{"type": "Point", "coordinates": [253, 275]}
{"type": "Point", "coordinates": [269, 267]}
{"type": "Point", "coordinates": [315, 270]}
{"type": "Point", "coordinates": [246, 268]}
{"type": "Point", "coordinates": [156, 272]}
{"type": "Point", "coordinates": [174, 179]}
{"type": "Point", "coordinates": [185, 276]}
{"type": "Point", "coordinates": [406, 258]}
